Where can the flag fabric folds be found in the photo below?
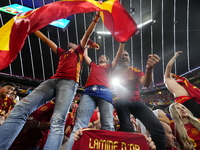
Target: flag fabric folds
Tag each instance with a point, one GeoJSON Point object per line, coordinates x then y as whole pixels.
{"type": "Point", "coordinates": [14, 33]}
{"type": "Point", "coordinates": [192, 90]}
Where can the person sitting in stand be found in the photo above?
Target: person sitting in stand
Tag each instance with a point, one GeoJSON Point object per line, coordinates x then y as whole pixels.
{"type": "Point", "coordinates": [185, 127]}
{"type": "Point", "coordinates": [6, 89]}
{"type": "Point", "coordinates": [95, 120]}
{"type": "Point", "coordinates": [36, 129]}
{"type": "Point", "coordinates": [68, 128]}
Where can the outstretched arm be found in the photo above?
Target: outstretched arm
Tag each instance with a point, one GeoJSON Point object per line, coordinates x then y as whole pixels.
{"type": "Point", "coordinates": [170, 64]}
{"type": "Point", "coordinates": [118, 55]}
{"type": "Point", "coordinates": [90, 30]}
{"type": "Point", "coordinates": [86, 57]}
{"type": "Point", "coordinates": [147, 79]}
{"type": "Point", "coordinates": [50, 43]}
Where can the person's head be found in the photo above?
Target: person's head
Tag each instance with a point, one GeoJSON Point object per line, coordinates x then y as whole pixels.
{"type": "Point", "coordinates": [71, 46]}
{"type": "Point", "coordinates": [179, 114]}
{"type": "Point", "coordinates": [125, 59]}
{"type": "Point", "coordinates": [179, 111]}
{"type": "Point", "coordinates": [7, 88]}
{"type": "Point", "coordinates": [73, 104]}
{"type": "Point", "coordinates": [103, 59]}
{"type": "Point", "coordinates": [13, 94]}
{"type": "Point", "coordinates": [170, 139]}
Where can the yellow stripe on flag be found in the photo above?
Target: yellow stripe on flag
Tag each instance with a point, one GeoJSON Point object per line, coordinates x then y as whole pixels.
{"type": "Point", "coordinates": [108, 5]}
{"type": "Point", "coordinates": [5, 35]}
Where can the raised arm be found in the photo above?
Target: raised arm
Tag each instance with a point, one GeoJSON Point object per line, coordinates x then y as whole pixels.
{"type": "Point", "coordinates": [147, 79]}
{"type": "Point", "coordinates": [50, 43]}
{"type": "Point", "coordinates": [90, 30]}
{"type": "Point", "coordinates": [118, 55]}
{"type": "Point", "coordinates": [170, 64]}
{"type": "Point", "coordinates": [86, 57]}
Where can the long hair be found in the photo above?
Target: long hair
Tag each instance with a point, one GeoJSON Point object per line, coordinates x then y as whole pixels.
{"type": "Point", "coordinates": [179, 126]}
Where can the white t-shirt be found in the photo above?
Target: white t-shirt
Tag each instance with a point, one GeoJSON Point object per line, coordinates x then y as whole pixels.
{"type": "Point", "coordinates": [142, 127]}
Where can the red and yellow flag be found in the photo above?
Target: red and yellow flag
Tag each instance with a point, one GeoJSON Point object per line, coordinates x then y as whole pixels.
{"type": "Point", "coordinates": [192, 90]}
{"type": "Point", "coordinates": [14, 33]}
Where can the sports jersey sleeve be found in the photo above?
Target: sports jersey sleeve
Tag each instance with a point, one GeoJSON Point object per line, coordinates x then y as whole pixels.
{"type": "Point", "coordinates": [91, 64]}
{"type": "Point", "coordinates": [138, 73]}
{"type": "Point", "coordinates": [80, 49]}
{"type": "Point", "coordinates": [60, 51]}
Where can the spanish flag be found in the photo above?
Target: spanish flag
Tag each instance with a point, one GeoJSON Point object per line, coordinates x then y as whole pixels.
{"type": "Point", "coordinates": [14, 33]}
{"type": "Point", "coordinates": [192, 90]}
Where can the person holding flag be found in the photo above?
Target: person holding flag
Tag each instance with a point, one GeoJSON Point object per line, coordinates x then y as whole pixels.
{"type": "Point", "coordinates": [184, 92]}
{"type": "Point", "coordinates": [97, 92]}
{"type": "Point", "coordinates": [62, 85]}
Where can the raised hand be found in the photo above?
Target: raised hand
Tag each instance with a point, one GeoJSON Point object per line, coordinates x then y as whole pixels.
{"type": "Point", "coordinates": [152, 61]}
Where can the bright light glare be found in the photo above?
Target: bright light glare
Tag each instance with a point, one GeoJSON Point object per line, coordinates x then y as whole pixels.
{"type": "Point", "coordinates": [115, 81]}
{"type": "Point", "coordinates": [145, 23]}
{"type": "Point", "coordinates": [103, 32]}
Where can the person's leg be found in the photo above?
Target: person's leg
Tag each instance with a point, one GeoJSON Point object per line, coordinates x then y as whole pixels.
{"type": "Point", "coordinates": [84, 113]}
{"type": "Point", "coordinates": [65, 91]}
{"type": "Point", "coordinates": [17, 118]}
{"type": "Point", "coordinates": [106, 114]}
{"type": "Point", "coordinates": [152, 124]}
{"type": "Point", "coordinates": [193, 107]}
{"type": "Point", "coordinates": [123, 113]}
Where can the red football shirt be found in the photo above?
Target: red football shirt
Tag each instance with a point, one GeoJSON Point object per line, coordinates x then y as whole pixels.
{"type": "Point", "coordinates": [68, 66]}
{"type": "Point", "coordinates": [69, 122]}
{"type": "Point", "coordinates": [5, 104]}
{"type": "Point", "coordinates": [94, 116]}
{"type": "Point", "coordinates": [129, 84]}
{"type": "Point", "coordinates": [192, 132]}
{"type": "Point", "coordinates": [99, 75]}
{"type": "Point", "coordinates": [110, 140]}
{"type": "Point", "coordinates": [33, 137]}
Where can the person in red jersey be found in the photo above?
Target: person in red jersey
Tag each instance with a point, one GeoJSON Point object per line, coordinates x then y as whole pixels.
{"type": "Point", "coordinates": [62, 85]}
{"type": "Point", "coordinates": [6, 89]}
{"type": "Point", "coordinates": [184, 92]}
{"type": "Point", "coordinates": [35, 129]}
{"type": "Point", "coordinates": [68, 128]}
{"type": "Point", "coordinates": [97, 92]}
{"type": "Point", "coordinates": [185, 127]}
{"type": "Point", "coordinates": [95, 120]}
{"type": "Point", "coordinates": [128, 98]}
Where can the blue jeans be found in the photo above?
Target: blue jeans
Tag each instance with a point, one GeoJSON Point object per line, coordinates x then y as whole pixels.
{"type": "Point", "coordinates": [64, 90]}
{"type": "Point", "coordinates": [145, 115]}
{"type": "Point", "coordinates": [85, 111]}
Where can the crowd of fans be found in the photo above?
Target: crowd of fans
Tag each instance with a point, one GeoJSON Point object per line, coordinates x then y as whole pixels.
{"type": "Point", "coordinates": [39, 125]}
{"type": "Point", "coordinates": [181, 128]}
